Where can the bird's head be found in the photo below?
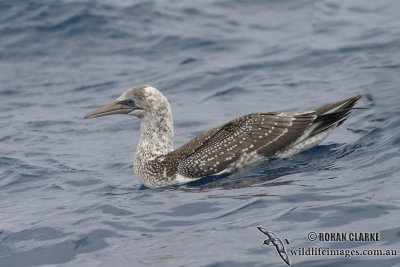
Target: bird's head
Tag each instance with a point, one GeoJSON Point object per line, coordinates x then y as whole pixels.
{"type": "Point", "coordinates": [136, 101]}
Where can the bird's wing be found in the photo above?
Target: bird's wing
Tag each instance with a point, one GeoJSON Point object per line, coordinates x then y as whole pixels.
{"type": "Point", "coordinates": [255, 135]}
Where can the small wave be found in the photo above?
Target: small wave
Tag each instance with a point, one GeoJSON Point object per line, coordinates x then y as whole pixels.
{"type": "Point", "coordinates": [97, 87]}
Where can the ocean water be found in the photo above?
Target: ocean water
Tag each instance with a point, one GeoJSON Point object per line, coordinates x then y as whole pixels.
{"type": "Point", "coordinates": [68, 195]}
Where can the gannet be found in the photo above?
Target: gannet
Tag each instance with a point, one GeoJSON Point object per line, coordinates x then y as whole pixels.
{"type": "Point", "coordinates": [238, 143]}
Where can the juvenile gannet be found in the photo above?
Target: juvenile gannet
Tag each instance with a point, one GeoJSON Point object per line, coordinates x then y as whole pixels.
{"type": "Point", "coordinates": [238, 143]}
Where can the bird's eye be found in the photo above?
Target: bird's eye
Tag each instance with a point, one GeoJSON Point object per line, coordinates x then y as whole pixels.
{"type": "Point", "coordinates": [128, 102]}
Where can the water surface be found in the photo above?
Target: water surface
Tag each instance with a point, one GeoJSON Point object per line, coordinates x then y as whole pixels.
{"type": "Point", "coordinates": [68, 195]}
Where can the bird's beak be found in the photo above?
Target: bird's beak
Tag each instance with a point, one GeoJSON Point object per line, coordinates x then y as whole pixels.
{"type": "Point", "coordinates": [110, 109]}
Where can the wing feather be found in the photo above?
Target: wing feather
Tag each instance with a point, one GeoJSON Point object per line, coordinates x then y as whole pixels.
{"type": "Point", "coordinates": [257, 134]}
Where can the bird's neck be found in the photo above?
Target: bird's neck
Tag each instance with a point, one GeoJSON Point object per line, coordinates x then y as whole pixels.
{"type": "Point", "coordinates": [156, 134]}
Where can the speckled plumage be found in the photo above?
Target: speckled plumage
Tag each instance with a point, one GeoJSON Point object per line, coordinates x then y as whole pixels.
{"type": "Point", "coordinates": [239, 143]}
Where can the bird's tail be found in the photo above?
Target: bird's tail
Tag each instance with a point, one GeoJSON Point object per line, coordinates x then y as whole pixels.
{"type": "Point", "coordinates": [327, 119]}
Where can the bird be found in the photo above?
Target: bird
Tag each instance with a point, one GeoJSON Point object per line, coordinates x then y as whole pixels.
{"type": "Point", "coordinates": [239, 143]}
{"type": "Point", "coordinates": [275, 241]}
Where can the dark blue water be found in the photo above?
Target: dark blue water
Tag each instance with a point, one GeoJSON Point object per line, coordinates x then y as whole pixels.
{"type": "Point", "coordinates": [68, 195]}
